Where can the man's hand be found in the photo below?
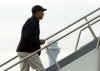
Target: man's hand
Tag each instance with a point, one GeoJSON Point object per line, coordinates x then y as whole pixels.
{"type": "Point", "coordinates": [42, 42]}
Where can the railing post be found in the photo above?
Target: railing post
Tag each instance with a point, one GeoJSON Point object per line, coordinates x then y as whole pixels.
{"type": "Point", "coordinates": [89, 26]}
{"type": "Point", "coordinates": [97, 46]}
{"type": "Point", "coordinates": [78, 41]}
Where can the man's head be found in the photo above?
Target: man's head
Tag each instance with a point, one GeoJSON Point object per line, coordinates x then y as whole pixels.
{"type": "Point", "coordinates": [38, 11]}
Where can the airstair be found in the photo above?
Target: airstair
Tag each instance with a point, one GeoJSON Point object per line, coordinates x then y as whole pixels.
{"type": "Point", "coordinates": [85, 58]}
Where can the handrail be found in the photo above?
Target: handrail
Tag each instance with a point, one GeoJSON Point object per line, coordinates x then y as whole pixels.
{"type": "Point", "coordinates": [83, 30]}
{"type": "Point", "coordinates": [58, 32]}
{"type": "Point", "coordinates": [50, 43]}
{"type": "Point", "coordinates": [8, 61]}
{"type": "Point", "coordinates": [74, 23]}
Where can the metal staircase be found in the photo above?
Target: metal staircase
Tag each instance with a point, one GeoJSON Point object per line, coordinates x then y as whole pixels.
{"type": "Point", "coordinates": [75, 55]}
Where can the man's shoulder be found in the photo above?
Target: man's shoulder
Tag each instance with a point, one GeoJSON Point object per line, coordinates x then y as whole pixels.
{"type": "Point", "coordinates": [28, 23]}
{"type": "Point", "coordinates": [28, 20]}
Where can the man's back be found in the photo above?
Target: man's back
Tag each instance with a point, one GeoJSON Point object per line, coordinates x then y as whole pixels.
{"type": "Point", "coordinates": [30, 36]}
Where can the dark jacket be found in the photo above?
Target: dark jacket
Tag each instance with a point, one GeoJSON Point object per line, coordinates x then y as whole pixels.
{"type": "Point", "coordinates": [30, 41]}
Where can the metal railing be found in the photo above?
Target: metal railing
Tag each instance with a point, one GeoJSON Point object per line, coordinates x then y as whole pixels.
{"type": "Point", "coordinates": [75, 22]}
{"type": "Point", "coordinates": [8, 61]}
{"type": "Point", "coordinates": [57, 32]}
{"type": "Point", "coordinates": [54, 42]}
{"type": "Point", "coordinates": [83, 30]}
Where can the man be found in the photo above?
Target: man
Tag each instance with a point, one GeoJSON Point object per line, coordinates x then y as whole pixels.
{"type": "Point", "coordinates": [30, 41]}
